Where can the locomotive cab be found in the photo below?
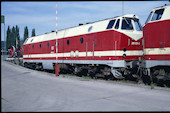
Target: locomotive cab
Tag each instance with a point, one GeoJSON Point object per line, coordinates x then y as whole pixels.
{"type": "Point", "coordinates": [127, 42]}
{"type": "Point", "coordinates": [131, 26]}
{"type": "Point", "coordinates": [158, 14]}
{"type": "Point", "coordinates": [131, 37]}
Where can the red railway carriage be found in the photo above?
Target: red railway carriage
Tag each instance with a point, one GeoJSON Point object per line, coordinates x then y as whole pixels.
{"type": "Point", "coordinates": [15, 52]}
{"type": "Point", "coordinates": [103, 48]}
{"type": "Point", "coordinates": [11, 51]}
{"type": "Point", "coordinates": [156, 33]}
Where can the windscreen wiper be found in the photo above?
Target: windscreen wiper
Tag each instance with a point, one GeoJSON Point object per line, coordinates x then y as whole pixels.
{"type": "Point", "coordinates": [126, 21]}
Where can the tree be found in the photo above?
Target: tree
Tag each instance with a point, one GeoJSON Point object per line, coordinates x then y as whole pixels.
{"type": "Point", "coordinates": [8, 39]}
{"type": "Point", "coordinates": [13, 36]}
{"type": "Point", "coordinates": [17, 36]}
{"type": "Point", "coordinates": [25, 33]}
{"type": "Point", "coordinates": [33, 32]}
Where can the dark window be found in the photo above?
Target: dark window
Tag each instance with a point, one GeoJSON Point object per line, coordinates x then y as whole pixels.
{"type": "Point", "coordinates": [40, 45]}
{"type": "Point", "coordinates": [117, 24]}
{"type": "Point", "coordinates": [148, 18]}
{"type": "Point", "coordinates": [90, 28]}
{"type": "Point", "coordinates": [81, 40]}
{"type": "Point", "coordinates": [127, 24]}
{"type": "Point", "coordinates": [157, 15]}
{"type": "Point", "coordinates": [110, 25]}
{"type": "Point", "coordinates": [48, 44]}
{"type": "Point", "coordinates": [33, 46]}
{"type": "Point", "coordinates": [68, 42]}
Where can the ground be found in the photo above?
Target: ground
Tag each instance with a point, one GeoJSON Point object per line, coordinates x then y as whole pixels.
{"type": "Point", "coordinates": [29, 90]}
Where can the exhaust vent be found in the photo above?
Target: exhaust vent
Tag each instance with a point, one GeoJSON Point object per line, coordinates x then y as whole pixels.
{"type": "Point", "coordinates": [80, 24]}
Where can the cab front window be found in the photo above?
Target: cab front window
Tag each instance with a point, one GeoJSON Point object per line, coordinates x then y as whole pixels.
{"type": "Point", "coordinates": [127, 24]}
{"type": "Point", "coordinates": [148, 18]}
{"type": "Point", "coordinates": [157, 15]}
{"type": "Point", "coordinates": [137, 25]}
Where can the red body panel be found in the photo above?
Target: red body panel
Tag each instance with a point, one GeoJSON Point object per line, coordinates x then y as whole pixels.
{"type": "Point", "coordinates": [100, 41]}
{"type": "Point", "coordinates": [157, 35]}
{"type": "Point", "coordinates": [35, 48]}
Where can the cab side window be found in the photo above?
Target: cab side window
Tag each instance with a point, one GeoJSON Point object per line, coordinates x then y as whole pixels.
{"type": "Point", "coordinates": [110, 25]}
{"type": "Point", "coordinates": [68, 42]}
{"type": "Point", "coordinates": [117, 24]}
{"type": "Point", "coordinates": [148, 18]}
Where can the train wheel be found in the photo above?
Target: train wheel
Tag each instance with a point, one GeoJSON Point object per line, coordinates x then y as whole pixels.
{"type": "Point", "coordinates": [146, 79]}
{"type": "Point", "coordinates": [25, 65]}
{"type": "Point", "coordinates": [167, 83]}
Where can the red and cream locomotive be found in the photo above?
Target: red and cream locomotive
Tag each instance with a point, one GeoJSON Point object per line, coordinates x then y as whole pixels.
{"type": "Point", "coordinates": [156, 34]}
{"type": "Point", "coordinates": [110, 47]}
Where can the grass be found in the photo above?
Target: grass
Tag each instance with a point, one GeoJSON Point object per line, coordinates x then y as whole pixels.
{"type": "Point", "coordinates": [165, 86]}
{"type": "Point", "coordinates": [86, 77]}
{"type": "Point", "coordinates": [153, 85]}
{"type": "Point", "coordinates": [123, 80]}
{"type": "Point", "coordinates": [65, 75]}
{"type": "Point", "coordinates": [21, 64]}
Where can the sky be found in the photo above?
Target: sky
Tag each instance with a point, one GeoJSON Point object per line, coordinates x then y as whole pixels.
{"type": "Point", "coordinates": [42, 15]}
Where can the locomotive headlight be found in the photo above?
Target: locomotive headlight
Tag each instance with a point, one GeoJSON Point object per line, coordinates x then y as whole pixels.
{"type": "Point", "coordinates": [134, 16]}
{"type": "Point", "coordinates": [124, 49]}
{"type": "Point", "coordinates": [124, 55]}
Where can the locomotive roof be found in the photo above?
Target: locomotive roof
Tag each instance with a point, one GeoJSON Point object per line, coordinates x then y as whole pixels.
{"type": "Point", "coordinates": [164, 16]}
{"type": "Point", "coordinates": [128, 16]}
{"type": "Point", "coordinates": [77, 30]}
{"type": "Point", "coordinates": [166, 5]}
{"type": "Point", "coordinates": [160, 7]}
